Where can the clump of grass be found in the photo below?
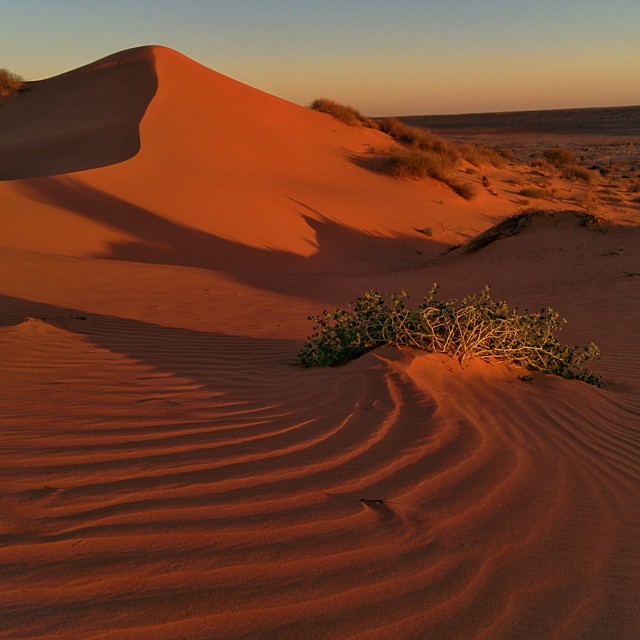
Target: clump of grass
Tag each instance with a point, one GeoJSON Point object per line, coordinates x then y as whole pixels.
{"type": "Point", "coordinates": [419, 139]}
{"type": "Point", "coordinates": [424, 164]}
{"type": "Point", "coordinates": [478, 155]}
{"type": "Point", "coordinates": [473, 327]}
{"type": "Point", "coordinates": [343, 112]}
{"type": "Point", "coordinates": [575, 173]}
{"type": "Point", "coordinates": [533, 192]}
{"type": "Point", "coordinates": [559, 157]}
{"type": "Point", "coordinates": [10, 82]}
{"type": "Point", "coordinates": [425, 231]}
{"type": "Point", "coordinates": [635, 187]}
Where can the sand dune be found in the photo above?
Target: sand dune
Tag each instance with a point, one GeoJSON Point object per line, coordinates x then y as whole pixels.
{"type": "Point", "coordinates": [167, 472]}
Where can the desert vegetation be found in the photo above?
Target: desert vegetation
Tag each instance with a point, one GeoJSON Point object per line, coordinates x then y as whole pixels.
{"type": "Point", "coordinates": [10, 82]}
{"type": "Point", "coordinates": [559, 157]}
{"type": "Point", "coordinates": [476, 326]}
{"type": "Point", "coordinates": [536, 193]}
{"type": "Point", "coordinates": [577, 174]}
{"type": "Point", "coordinates": [343, 112]}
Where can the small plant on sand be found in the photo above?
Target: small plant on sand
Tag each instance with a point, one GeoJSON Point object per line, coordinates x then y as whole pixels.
{"type": "Point", "coordinates": [575, 173]}
{"type": "Point", "coordinates": [343, 112]}
{"type": "Point", "coordinates": [403, 164]}
{"type": "Point", "coordinates": [559, 157]}
{"type": "Point", "coordinates": [534, 192]}
{"type": "Point", "coordinates": [474, 327]}
{"type": "Point", "coordinates": [10, 82]}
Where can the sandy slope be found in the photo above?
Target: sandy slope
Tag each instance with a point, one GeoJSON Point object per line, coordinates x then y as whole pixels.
{"type": "Point", "coordinates": [166, 472]}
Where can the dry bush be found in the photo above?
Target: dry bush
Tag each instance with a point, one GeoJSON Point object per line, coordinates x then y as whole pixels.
{"type": "Point", "coordinates": [532, 192]}
{"type": "Point", "coordinates": [343, 112]}
{"type": "Point", "coordinates": [468, 190]}
{"type": "Point", "coordinates": [10, 82]}
{"type": "Point", "coordinates": [478, 155]}
{"type": "Point", "coordinates": [559, 157]}
{"type": "Point", "coordinates": [420, 139]}
{"type": "Point", "coordinates": [424, 164]}
{"type": "Point", "coordinates": [575, 173]}
{"type": "Point", "coordinates": [589, 201]}
{"type": "Point", "coordinates": [635, 187]}
{"type": "Point", "coordinates": [473, 327]}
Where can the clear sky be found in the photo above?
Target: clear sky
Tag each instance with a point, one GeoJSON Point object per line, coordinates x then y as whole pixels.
{"type": "Point", "coordinates": [384, 57]}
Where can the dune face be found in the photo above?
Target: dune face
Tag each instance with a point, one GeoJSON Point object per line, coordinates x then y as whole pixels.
{"type": "Point", "coordinates": [167, 471]}
{"type": "Point", "coordinates": [79, 120]}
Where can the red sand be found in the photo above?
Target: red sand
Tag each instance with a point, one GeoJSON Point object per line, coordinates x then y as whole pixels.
{"type": "Point", "coordinates": [167, 473]}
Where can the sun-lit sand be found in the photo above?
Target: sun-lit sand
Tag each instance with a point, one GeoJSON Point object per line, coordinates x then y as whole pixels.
{"type": "Point", "coordinates": [167, 471]}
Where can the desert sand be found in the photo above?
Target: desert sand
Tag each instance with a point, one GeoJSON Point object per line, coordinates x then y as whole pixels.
{"type": "Point", "coordinates": [167, 471]}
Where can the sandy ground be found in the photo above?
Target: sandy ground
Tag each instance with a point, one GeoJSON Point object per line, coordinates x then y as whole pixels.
{"type": "Point", "coordinates": [168, 472]}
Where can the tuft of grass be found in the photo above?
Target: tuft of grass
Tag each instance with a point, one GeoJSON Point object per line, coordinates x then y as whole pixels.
{"type": "Point", "coordinates": [575, 173]}
{"type": "Point", "coordinates": [478, 155]}
{"type": "Point", "coordinates": [10, 82]}
{"type": "Point", "coordinates": [532, 192]}
{"type": "Point", "coordinates": [473, 327]}
{"type": "Point", "coordinates": [425, 231]}
{"type": "Point", "coordinates": [424, 164]}
{"type": "Point", "coordinates": [635, 187]}
{"type": "Point", "coordinates": [559, 157]}
{"type": "Point", "coordinates": [343, 112]}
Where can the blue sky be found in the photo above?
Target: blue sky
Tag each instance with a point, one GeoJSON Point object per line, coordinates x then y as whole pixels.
{"type": "Point", "coordinates": [387, 57]}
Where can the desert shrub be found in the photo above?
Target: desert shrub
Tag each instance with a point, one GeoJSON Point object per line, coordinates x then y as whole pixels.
{"type": "Point", "coordinates": [419, 139]}
{"type": "Point", "coordinates": [559, 157]}
{"type": "Point", "coordinates": [575, 173]}
{"type": "Point", "coordinates": [473, 327]}
{"type": "Point", "coordinates": [478, 155]}
{"type": "Point", "coordinates": [423, 164]}
{"type": "Point", "coordinates": [343, 112]}
{"type": "Point", "coordinates": [589, 200]}
{"type": "Point", "coordinates": [468, 190]}
{"type": "Point", "coordinates": [10, 82]}
{"type": "Point", "coordinates": [635, 187]}
{"type": "Point", "coordinates": [533, 192]}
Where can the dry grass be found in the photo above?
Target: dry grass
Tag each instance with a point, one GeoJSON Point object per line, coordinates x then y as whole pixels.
{"type": "Point", "coordinates": [577, 174]}
{"type": "Point", "coordinates": [533, 192]}
{"type": "Point", "coordinates": [343, 112]}
{"type": "Point", "coordinates": [427, 164]}
{"type": "Point", "coordinates": [635, 187]}
{"type": "Point", "coordinates": [559, 157]}
{"type": "Point", "coordinates": [10, 82]}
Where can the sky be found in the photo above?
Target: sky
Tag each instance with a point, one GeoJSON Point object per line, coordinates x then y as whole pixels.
{"type": "Point", "coordinates": [384, 57]}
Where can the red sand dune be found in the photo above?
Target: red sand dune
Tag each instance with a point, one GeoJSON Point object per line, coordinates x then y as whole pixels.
{"type": "Point", "coordinates": [166, 472]}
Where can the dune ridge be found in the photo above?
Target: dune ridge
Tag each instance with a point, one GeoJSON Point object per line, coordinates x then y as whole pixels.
{"type": "Point", "coordinates": [166, 471]}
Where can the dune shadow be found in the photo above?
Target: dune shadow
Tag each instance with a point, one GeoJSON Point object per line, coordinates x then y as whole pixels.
{"type": "Point", "coordinates": [338, 249]}
{"type": "Point", "coordinates": [83, 119]}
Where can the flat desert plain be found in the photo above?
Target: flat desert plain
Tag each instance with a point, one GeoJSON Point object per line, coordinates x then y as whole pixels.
{"type": "Point", "coordinates": [169, 472]}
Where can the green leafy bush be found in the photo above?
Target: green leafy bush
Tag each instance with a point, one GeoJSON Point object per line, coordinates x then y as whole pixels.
{"type": "Point", "coordinates": [474, 327]}
{"type": "Point", "coordinates": [9, 82]}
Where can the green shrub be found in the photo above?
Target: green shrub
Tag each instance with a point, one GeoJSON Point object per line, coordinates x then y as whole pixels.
{"type": "Point", "coordinates": [473, 327]}
{"type": "Point", "coordinates": [559, 157]}
{"type": "Point", "coordinates": [343, 112]}
{"type": "Point", "coordinates": [10, 82]}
